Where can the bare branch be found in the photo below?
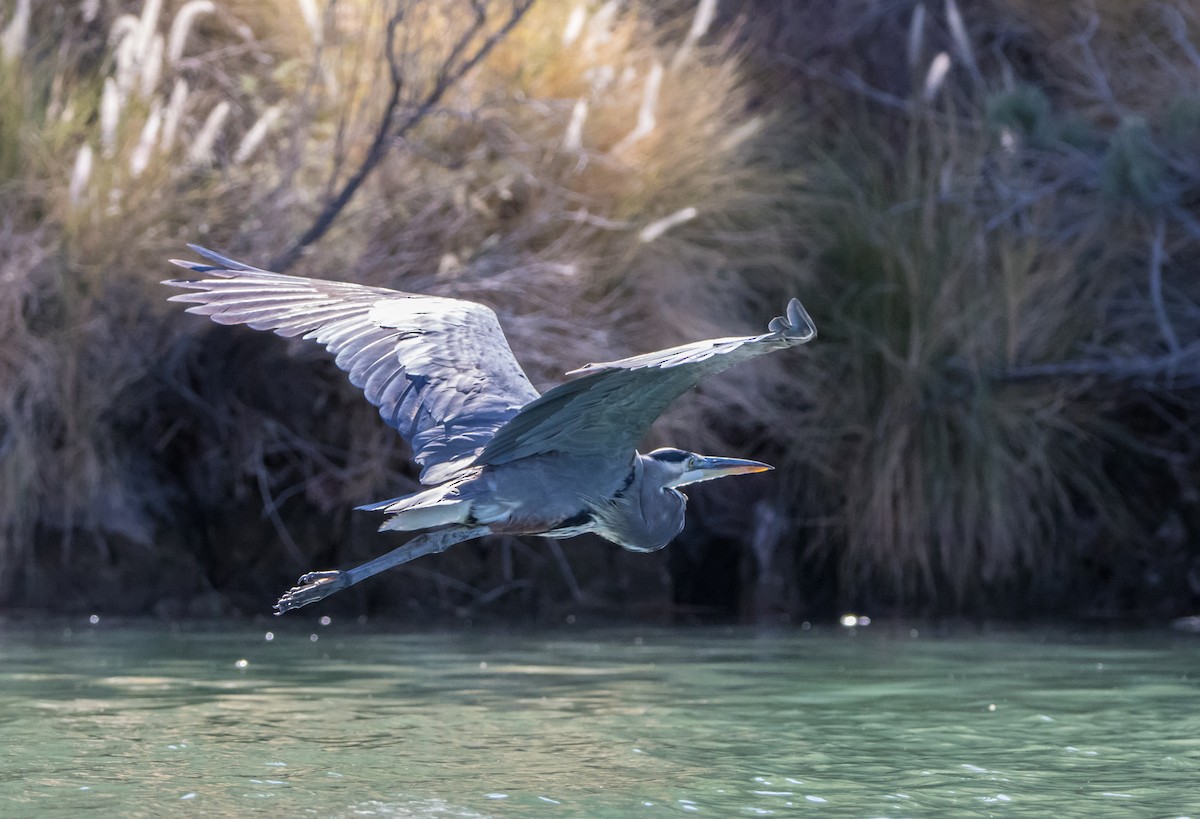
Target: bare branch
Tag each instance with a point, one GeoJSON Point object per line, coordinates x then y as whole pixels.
{"type": "Point", "coordinates": [564, 567]}
{"type": "Point", "coordinates": [1183, 363]}
{"type": "Point", "coordinates": [1095, 73]}
{"type": "Point", "coordinates": [1157, 255]}
{"type": "Point", "coordinates": [453, 69]}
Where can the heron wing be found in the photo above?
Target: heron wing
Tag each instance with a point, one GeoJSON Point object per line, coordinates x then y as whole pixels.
{"type": "Point", "coordinates": [440, 370]}
{"type": "Point", "coordinates": [614, 403]}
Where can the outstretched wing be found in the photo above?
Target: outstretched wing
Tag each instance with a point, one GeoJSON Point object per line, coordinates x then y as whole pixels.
{"type": "Point", "coordinates": [613, 405]}
{"type": "Point", "coordinates": [440, 370]}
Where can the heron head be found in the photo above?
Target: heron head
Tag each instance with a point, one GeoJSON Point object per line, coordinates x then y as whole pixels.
{"type": "Point", "coordinates": [683, 468]}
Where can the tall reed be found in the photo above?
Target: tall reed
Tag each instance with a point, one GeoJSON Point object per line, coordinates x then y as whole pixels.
{"type": "Point", "coordinates": [990, 210]}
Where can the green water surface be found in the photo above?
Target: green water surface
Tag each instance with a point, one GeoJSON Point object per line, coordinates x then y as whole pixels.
{"type": "Point", "coordinates": [287, 718]}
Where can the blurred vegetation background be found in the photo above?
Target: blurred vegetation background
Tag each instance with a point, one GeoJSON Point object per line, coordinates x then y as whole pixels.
{"type": "Point", "coordinates": [990, 207]}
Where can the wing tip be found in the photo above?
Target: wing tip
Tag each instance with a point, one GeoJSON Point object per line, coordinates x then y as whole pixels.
{"type": "Point", "coordinates": [796, 324]}
{"type": "Point", "coordinates": [224, 266]}
{"type": "Point", "coordinates": [196, 267]}
{"type": "Point", "coordinates": [224, 261]}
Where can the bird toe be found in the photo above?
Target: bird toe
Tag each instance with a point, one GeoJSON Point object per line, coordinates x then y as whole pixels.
{"type": "Point", "coordinates": [310, 588]}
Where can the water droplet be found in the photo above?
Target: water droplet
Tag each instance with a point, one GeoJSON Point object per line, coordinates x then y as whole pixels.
{"type": "Point", "coordinates": [94, 619]}
{"type": "Point", "coordinates": [849, 620]}
{"type": "Point", "coordinates": [241, 664]}
{"type": "Point", "coordinates": [312, 638]}
{"type": "Point", "coordinates": [188, 796]}
{"type": "Point", "coordinates": [991, 706]}
{"type": "Point", "coordinates": [269, 636]}
{"type": "Point", "coordinates": [914, 633]}
{"type": "Point", "coordinates": [815, 799]}
{"type": "Point", "coordinates": [483, 665]}
{"type": "Point", "coordinates": [325, 620]}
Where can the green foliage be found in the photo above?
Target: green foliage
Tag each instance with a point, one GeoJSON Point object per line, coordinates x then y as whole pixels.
{"type": "Point", "coordinates": [1025, 109]}
{"type": "Point", "coordinates": [1134, 167]}
{"type": "Point", "coordinates": [1183, 122]}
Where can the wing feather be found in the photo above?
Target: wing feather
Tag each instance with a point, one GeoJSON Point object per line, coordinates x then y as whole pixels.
{"type": "Point", "coordinates": [612, 405]}
{"type": "Point", "coordinates": [439, 370]}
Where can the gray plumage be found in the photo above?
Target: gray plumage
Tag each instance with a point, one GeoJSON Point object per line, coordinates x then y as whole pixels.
{"type": "Point", "coordinates": [498, 458]}
{"type": "Point", "coordinates": [440, 370]}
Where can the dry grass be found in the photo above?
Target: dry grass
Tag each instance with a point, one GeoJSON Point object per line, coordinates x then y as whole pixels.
{"type": "Point", "coordinates": [115, 424]}
{"type": "Point", "coordinates": [1000, 250]}
{"type": "Point", "coordinates": [958, 236]}
{"type": "Point", "coordinates": [944, 477]}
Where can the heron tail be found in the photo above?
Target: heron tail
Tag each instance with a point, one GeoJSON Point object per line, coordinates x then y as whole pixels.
{"type": "Point", "coordinates": [433, 507]}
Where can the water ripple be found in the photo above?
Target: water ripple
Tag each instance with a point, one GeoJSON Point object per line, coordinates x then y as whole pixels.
{"type": "Point", "coordinates": [132, 720]}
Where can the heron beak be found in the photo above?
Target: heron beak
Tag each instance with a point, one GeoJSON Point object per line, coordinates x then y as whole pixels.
{"type": "Point", "coordinates": [709, 468]}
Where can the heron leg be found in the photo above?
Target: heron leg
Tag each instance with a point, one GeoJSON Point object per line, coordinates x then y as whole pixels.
{"type": "Point", "coordinates": [315, 586]}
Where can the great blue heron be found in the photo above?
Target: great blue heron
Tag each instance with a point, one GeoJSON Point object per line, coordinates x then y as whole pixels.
{"type": "Point", "coordinates": [497, 456]}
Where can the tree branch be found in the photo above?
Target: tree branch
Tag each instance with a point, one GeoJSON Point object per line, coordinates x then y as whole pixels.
{"type": "Point", "coordinates": [1182, 363]}
{"type": "Point", "coordinates": [386, 133]}
{"type": "Point", "coordinates": [1157, 256]}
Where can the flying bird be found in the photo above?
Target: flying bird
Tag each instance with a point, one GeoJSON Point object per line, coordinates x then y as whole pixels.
{"type": "Point", "coordinates": [495, 456]}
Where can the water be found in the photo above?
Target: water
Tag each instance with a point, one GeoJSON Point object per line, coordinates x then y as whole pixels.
{"type": "Point", "coordinates": [344, 720]}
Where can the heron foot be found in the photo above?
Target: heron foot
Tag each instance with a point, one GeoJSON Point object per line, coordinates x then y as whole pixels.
{"type": "Point", "coordinates": [310, 588]}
